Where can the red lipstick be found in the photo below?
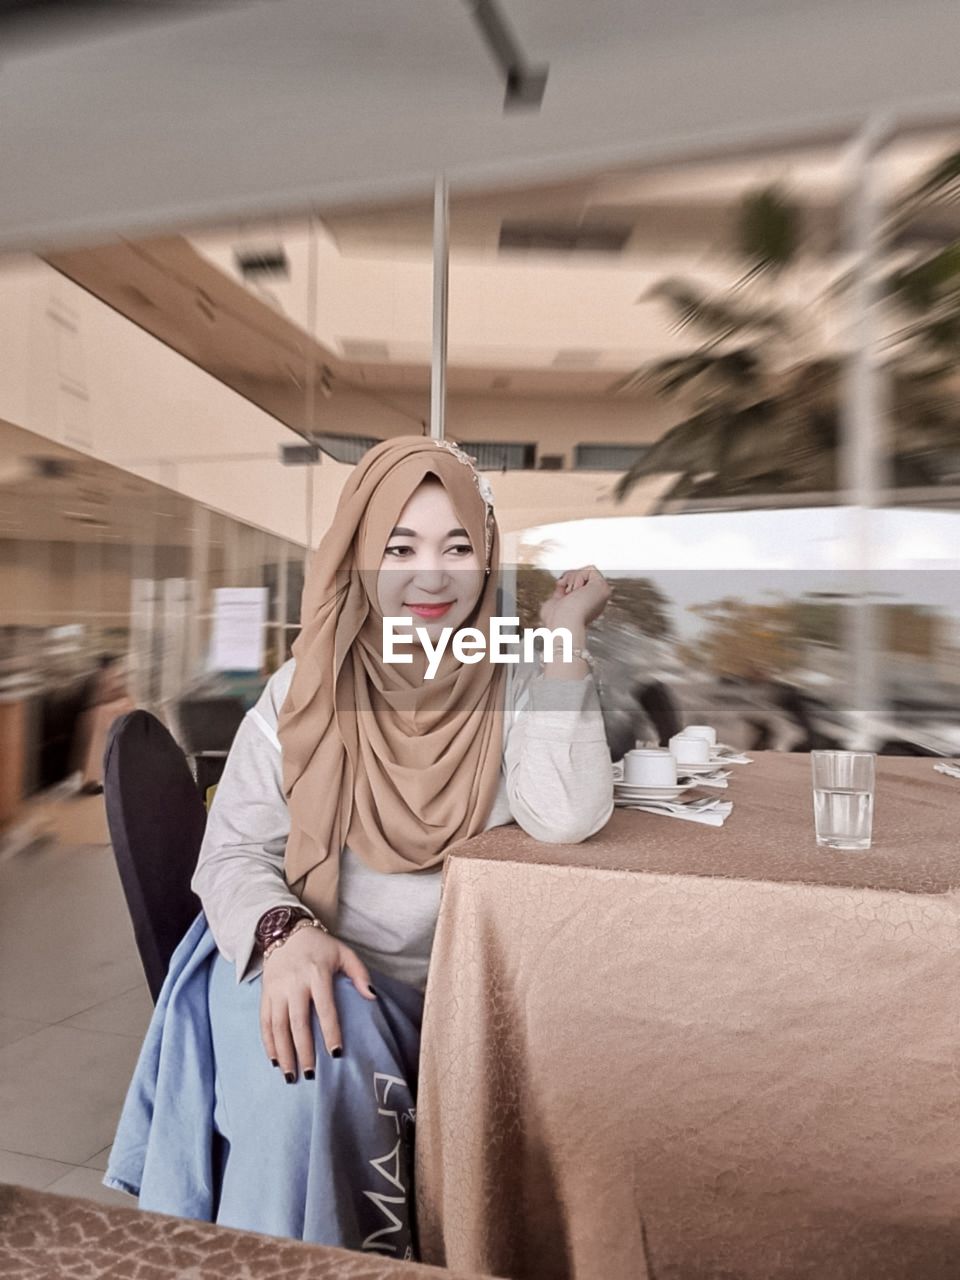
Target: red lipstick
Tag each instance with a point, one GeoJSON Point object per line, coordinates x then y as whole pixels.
{"type": "Point", "coordinates": [430, 611]}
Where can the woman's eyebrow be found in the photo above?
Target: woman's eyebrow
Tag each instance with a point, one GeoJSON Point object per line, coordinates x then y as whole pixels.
{"type": "Point", "coordinates": [398, 532]}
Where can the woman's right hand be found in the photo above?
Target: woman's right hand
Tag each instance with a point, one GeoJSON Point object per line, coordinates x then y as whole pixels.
{"type": "Point", "coordinates": [299, 975]}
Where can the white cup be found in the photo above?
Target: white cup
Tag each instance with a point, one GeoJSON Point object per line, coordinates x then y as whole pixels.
{"type": "Point", "coordinates": [650, 767]}
{"type": "Point", "coordinates": [689, 749]}
{"type": "Point", "coordinates": [700, 731]}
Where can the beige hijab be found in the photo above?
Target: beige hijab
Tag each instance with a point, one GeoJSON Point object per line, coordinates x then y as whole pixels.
{"type": "Point", "coordinates": [375, 757]}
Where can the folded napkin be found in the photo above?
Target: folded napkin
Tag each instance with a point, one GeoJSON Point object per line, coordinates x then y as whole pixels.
{"type": "Point", "coordinates": [714, 816]}
{"type": "Point", "coordinates": [726, 755]}
{"type": "Point", "coordinates": [949, 768]}
{"type": "Point", "coordinates": [717, 780]}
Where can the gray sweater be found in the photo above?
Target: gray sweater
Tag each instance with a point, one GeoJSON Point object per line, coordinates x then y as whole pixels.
{"type": "Point", "coordinates": [556, 783]}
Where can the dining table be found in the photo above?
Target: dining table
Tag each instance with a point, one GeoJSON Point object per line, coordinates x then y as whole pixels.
{"type": "Point", "coordinates": [55, 1237]}
{"type": "Point", "coordinates": [686, 1051]}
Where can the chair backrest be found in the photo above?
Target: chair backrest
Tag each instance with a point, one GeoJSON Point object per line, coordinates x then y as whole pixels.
{"type": "Point", "coordinates": [662, 708]}
{"type": "Point", "coordinates": [209, 724]}
{"type": "Point", "coordinates": [156, 818]}
{"type": "Point", "coordinates": [60, 710]}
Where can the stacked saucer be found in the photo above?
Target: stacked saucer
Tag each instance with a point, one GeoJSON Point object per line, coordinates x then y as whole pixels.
{"type": "Point", "coordinates": [647, 774]}
{"type": "Point", "coordinates": [696, 769]}
{"type": "Point", "coordinates": [628, 792]}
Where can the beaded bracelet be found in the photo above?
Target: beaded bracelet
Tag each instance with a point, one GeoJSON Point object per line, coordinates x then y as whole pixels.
{"type": "Point", "coordinates": [301, 924]}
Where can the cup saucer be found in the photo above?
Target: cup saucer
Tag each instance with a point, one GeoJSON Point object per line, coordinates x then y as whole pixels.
{"type": "Point", "coordinates": [641, 791]}
{"type": "Point", "coordinates": [696, 770]}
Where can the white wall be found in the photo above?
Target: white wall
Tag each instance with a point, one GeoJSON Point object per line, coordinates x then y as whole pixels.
{"type": "Point", "coordinates": [512, 312]}
{"type": "Point", "coordinates": [44, 584]}
{"type": "Point", "coordinates": [76, 372]}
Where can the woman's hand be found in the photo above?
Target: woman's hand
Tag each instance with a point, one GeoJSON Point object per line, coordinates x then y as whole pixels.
{"type": "Point", "coordinates": [578, 599]}
{"type": "Point", "coordinates": [299, 975]}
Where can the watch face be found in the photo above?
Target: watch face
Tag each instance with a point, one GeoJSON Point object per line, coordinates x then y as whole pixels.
{"type": "Point", "coordinates": [274, 923]}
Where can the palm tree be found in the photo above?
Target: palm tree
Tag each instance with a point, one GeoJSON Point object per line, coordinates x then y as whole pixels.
{"type": "Point", "coordinates": [763, 420]}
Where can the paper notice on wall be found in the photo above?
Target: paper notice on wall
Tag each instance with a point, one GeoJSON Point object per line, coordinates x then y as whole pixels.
{"type": "Point", "coordinates": [239, 628]}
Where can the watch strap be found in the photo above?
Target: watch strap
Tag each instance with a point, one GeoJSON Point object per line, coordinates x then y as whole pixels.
{"type": "Point", "coordinates": [273, 924]}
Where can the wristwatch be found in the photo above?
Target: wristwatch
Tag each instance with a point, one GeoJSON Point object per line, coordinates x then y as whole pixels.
{"type": "Point", "coordinates": [274, 925]}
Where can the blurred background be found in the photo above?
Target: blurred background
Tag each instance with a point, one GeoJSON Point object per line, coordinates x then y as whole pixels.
{"type": "Point", "coordinates": [685, 281]}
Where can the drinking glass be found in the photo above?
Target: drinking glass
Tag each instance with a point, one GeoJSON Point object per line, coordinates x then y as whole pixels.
{"type": "Point", "coordinates": [843, 788]}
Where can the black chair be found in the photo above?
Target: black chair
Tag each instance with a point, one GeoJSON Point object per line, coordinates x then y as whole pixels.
{"type": "Point", "coordinates": [661, 708]}
{"type": "Point", "coordinates": [626, 726]}
{"type": "Point", "coordinates": [207, 728]}
{"type": "Point", "coordinates": [60, 710]}
{"type": "Point", "coordinates": [801, 709]}
{"type": "Point", "coordinates": [156, 819]}
{"type": "Point", "coordinates": [904, 747]}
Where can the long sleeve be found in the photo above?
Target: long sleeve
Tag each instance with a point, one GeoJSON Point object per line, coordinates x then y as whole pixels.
{"type": "Point", "coordinates": [239, 873]}
{"type": "Point", "coordinates": [558, 788]}
{"type": "Point", "coordinates": [556, 758]}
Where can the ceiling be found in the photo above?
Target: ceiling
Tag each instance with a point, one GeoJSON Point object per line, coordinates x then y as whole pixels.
{"type": "Point", "coordinates": [254, 335]}
{"type": "Point", "coordinates": [167, 288]}
{"type": "Point", "coordinates": [664, 209]}
{"type": "Point", "coordinates": [28, 26]}
{"type": "Point", "coordinates": [151, 117]}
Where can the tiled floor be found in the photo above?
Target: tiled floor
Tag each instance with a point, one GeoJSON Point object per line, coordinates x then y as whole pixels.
{"type": "Point", "coordinates": [73, 1005]}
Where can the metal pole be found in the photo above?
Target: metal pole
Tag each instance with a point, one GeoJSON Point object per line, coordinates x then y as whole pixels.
{"type": "Point", "coordinates": [864, 446]}
{"type": "Point", "coordinates": [311, 370]}
{"type": "Point", "coordinates": [441, 269]}
{"type": "Point", "coordinates": [200, 576]}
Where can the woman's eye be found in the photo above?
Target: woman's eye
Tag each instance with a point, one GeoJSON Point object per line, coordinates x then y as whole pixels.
{"type": "Point", "coordinates": [398, 553]}
{"type": "Point", "coordinates": [462, 549]}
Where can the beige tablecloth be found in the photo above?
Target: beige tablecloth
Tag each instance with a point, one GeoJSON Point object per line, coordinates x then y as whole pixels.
{"type": "Point", "coordinates": [50, 1237]}
{"type": "Point", "coordinates": [679, 1051]}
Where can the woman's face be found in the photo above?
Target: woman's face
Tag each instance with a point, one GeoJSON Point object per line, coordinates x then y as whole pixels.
{"type": "Point", "coordinates": [430, 572]}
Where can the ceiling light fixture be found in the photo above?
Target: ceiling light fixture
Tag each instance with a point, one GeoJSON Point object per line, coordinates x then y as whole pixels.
{"type": "Point", "coordinates": [299, 455]}
{"type": "Point", "coordinates": [257, 262]}
{"type": "Point", "coordinates": [525, 84]}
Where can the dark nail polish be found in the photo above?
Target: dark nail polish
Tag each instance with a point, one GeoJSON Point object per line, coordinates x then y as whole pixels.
{"type": "Point", "coordinates": [274, 1062]}
{"type": "Point", "coordinates": [308, 1074]}
{"type": "Point", "coordinates": [289, 1077]}
{"type": "Point", "coordinates": [336, 1053]}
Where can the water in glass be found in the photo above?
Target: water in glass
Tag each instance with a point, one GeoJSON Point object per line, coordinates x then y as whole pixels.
{"type": "Point", "coordinates": [843, 790]}
{"type": "Point", "coordinates": [844, 817]}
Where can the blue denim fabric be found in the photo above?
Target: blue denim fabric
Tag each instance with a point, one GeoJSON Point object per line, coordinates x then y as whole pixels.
{"type": "Point", "coordinates": [210, 1130]}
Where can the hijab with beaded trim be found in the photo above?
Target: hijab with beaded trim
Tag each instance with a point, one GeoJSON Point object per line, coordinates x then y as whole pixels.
{"type": "Point", "coordinates": [376, 758]}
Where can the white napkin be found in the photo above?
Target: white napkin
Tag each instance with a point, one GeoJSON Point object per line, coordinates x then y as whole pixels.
{"type": "Point", "coordinates": [949, 768]}
{"type": "Point", "coordinates": [717, 780]}
{"type": "Point", "coordinates": [727, 755]}
{"type": "Point", "coordinates": [712, 817]}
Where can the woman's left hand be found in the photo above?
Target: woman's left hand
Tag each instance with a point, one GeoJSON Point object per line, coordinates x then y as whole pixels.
{"type": "Point", "coordinates": [578, 599]}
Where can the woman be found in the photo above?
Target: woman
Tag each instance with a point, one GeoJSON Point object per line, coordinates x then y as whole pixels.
{"type": "Point", "coordinates": [276, 1089]}
{"type": "Point", "coordinates": [108, 699]}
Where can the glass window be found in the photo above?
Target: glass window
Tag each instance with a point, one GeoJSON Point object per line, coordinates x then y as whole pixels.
{"type": "Point", "coordinates": [608, 457]}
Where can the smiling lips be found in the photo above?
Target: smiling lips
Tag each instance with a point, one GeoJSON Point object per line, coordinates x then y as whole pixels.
{"type": "Point", "coordinates": [430, 610]}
